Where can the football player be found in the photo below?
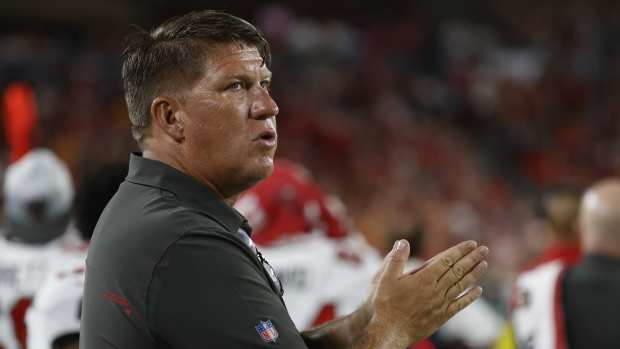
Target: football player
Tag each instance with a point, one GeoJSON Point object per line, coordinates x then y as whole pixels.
{"type": "Point", "coordinates": [289, 213]}
{"type": "Point", "coordinates": [38, 196]}
{"type": "Point", "coordinates": [53, 320]}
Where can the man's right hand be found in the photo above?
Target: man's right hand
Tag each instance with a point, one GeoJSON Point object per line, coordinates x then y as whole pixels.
{"type": "Point", "coordinates": [406, 308]}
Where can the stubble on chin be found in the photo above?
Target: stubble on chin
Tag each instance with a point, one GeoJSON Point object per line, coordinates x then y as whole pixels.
{"type": "Point", "coordinates": [263, 169]}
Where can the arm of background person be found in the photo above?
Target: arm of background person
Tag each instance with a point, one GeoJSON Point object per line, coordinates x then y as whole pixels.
{"type": "Point", "coordinates": [402, 309]}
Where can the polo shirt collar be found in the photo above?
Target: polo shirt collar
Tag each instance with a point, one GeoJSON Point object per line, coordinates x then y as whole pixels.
{"type": "Point", "coordinates": [158, 174]}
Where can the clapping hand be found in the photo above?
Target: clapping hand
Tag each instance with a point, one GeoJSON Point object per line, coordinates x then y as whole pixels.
{"type": "Point", "coordinates": [405, 308]}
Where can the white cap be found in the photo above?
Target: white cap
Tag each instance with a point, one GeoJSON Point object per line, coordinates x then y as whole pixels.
{"type": "Point", "coordinates": [39, 176]}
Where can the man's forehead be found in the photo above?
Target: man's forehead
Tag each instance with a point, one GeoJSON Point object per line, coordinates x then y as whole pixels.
{"type": "Point", "coordinates": [233, 54]}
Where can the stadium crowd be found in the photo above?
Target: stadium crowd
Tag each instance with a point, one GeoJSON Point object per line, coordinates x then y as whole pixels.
{"type": "Point", "coordinates": [453, 129]}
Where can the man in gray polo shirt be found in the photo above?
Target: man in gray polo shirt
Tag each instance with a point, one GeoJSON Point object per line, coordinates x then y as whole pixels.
{"type": "Point", "coordinates": [172, 264]}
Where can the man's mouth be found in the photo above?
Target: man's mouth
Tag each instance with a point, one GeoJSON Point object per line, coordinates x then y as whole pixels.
{"type": "Point", "coordinates": [268, 138]}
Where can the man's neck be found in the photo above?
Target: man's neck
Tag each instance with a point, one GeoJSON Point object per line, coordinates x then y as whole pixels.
{"type": "Point", "coordinates": [178, 164]}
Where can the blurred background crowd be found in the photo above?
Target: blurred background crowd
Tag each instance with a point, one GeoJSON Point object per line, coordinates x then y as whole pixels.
{"type": "Point", "coordinates": [443, 122]}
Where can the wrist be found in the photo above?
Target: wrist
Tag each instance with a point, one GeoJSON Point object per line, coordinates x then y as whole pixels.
{"type": "Point", "coordinates": [363, 315]}
{"type": "Point", "coordinates": [391, 333]}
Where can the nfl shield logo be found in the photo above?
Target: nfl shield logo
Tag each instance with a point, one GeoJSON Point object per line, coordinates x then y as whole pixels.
{"type": "Point", "coordinates": [267, 331]}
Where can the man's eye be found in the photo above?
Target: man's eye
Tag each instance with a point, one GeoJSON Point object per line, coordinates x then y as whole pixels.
{"type": "Point", "coordinates": [237, 85]}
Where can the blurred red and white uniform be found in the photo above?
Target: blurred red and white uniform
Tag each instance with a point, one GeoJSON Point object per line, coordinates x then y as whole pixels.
{"type": "Point", "coordinates": [325, 269]}
{"type": "Point", "coordinates": [57, 307]}
{"type": "Point", "coordinates": [536, 309]}
{"type": "Point", "coordinates": [23, 268]}
{"type": "Point", "coordinates": [38, 194]}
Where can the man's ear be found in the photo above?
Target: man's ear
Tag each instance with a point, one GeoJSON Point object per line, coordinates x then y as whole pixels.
{"type": "Point", "coordinates": [165, 112]}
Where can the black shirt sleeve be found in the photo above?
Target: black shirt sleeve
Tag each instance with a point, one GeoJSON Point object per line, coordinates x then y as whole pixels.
{"type": "Point", "coordinates": [207, 292]}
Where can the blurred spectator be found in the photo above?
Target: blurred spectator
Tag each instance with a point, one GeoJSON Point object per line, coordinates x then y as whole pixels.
{"type": "Point", "coordinates": [561, 209]}
{"type": "Point", "coordinates": [556, 241]}
{"type": "Point", "coordinates": [591, 288]}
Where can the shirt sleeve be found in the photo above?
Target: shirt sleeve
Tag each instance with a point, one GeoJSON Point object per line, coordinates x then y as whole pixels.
{"type": "Point", "coordinates": [207, 292]}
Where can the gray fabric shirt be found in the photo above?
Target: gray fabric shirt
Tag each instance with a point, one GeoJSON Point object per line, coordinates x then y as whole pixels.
{"type": "Point", "coordinates": [169, 266]}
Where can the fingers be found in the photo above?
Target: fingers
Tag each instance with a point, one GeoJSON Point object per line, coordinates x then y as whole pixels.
{"type": "Point", "coordinates": [462, 302]}
{"type": "Point", "coordinates": [467, 281]}
{"type": "Point", "coordinates": [462, 267]}
{"type": "Point", "coordinates": [419, 268]}
{"type": "Point", "coordinates": [396, 260]}
{"type": "Point", "coordinates": [442, 262]}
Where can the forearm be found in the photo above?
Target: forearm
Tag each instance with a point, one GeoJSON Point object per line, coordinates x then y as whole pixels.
{"type": "Point", "coordinates": [355, 331]}
{"type": "Point", "coordinates": [340, 333]}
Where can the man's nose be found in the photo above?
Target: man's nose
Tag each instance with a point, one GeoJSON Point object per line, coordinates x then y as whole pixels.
{"type": "Point", "coordinates": [263, 106]}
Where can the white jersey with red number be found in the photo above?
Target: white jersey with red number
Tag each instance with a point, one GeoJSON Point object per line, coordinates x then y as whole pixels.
{"type": "Point", "coordinates": [537, 315]}
{"type": "Point", "coordinates": [56, 309]}
{"type": "Point", "coordinates": [23, 268]}
{"type": "Point", "coordinates": [322, 278]}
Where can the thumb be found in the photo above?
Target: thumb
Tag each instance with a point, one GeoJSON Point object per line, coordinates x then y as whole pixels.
{"type": "Point", "coordinates": [396, 260]}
